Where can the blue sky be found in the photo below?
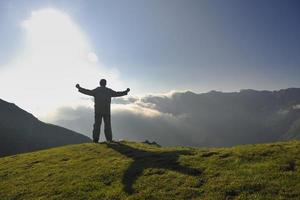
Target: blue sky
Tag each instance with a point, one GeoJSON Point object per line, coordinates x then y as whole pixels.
{"type": "Point", "coordinates": [163, 45]}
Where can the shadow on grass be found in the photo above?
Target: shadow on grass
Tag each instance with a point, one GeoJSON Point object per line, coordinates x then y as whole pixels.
{"type": "Point", "coordinates": [147, 159]}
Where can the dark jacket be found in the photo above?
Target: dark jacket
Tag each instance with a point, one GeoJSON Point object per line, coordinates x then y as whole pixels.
{"type": "Point", "coordinates": [102, 97]}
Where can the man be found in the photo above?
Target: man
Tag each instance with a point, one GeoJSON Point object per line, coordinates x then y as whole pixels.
{"type": "Point", "coordinates": [102, 97]}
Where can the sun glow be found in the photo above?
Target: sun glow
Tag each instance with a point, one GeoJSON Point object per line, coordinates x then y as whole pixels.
{"type": "Point", "coordinates": [57, 55]}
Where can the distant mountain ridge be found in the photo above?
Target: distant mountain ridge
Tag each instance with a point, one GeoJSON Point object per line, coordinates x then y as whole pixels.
{"type": "Point", "coordinates": [231, 118]}
{"type": "Point", "coordinates": [21, 132]}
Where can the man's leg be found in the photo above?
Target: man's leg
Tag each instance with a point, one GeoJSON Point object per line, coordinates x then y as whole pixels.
{"type": "Point", "coordinates": [97, 126]}
{"type": "Point", "coordinates": [107, 127]}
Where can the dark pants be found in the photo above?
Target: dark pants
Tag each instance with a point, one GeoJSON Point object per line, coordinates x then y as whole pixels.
{"type": "Point", "coordinates": [97, 126]}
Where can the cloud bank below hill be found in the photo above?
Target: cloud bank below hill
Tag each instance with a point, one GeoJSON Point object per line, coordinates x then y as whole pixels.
{"type": "Point", "coordinates": [186, 118]}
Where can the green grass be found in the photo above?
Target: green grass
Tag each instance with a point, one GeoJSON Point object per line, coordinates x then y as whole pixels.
{"type": "Point", "coordinates": [131, 170]}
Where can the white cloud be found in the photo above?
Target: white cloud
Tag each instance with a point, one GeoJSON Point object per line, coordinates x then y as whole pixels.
{"type": "Point", "coordinates": [92, 57]}
{"type": "Point", "coordinates": [136, 109]}
{"type": "Point", "coordinates": [56, 56]}
{"type": "Point", "coordinates": [296, 107]}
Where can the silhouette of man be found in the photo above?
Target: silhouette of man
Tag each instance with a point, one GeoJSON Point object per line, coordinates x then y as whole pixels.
{"type": "Point", "coordinates": [102, 97]}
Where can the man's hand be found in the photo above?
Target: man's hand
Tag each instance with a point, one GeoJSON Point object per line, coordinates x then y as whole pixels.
{"type": "Point", "coordinates": [127, 90]}
{"type": "Point", "coordinates": [77, 86]}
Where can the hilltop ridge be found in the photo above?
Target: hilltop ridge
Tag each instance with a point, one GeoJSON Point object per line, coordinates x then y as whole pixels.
{"type": "Point", "coordinates": [129, 170]}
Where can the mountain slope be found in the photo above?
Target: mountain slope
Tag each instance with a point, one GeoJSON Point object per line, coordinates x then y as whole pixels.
{"type": "Point", "coordinates": [21, 132]}
{"type": "Point", "coordinates": [130, 170]}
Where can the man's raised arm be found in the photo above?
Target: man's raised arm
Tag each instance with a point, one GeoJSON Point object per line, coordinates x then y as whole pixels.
{"type": "Point", "coordinates": [119, 94]}
{"type": "Point", "coordinates": [84, 91]}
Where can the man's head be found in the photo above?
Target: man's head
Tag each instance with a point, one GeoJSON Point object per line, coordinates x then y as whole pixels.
{"type": "Point", "coordinates": [103, 82]}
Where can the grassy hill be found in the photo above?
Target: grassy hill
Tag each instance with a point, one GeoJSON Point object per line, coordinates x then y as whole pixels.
{"type": "Point", "coordinates": [129, 170]}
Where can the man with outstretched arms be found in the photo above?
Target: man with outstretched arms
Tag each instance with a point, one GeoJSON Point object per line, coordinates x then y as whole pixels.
{"type": "Point", "coordinates": [102, 97]}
